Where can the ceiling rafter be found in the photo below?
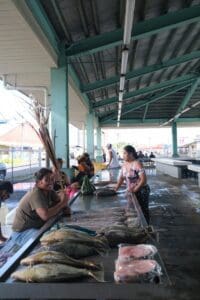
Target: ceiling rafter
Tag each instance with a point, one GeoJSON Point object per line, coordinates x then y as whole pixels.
{"type": "Point", "coordinates": [83, 17]}
{"type": "Point", "coordinates": [140, 30]}
{"type": "Point", "coordinates": [95, 16]}
{"type": "Point", "coordinates": [142, 71]}
{"type": "Point", "coordinates": [141, 13]}
{"type": "Point", "coordinates": [138, 121]}
{"type": "Point", "coordinates": [150, 89]}
{"type": "Point", "coordinates": [62, 21]}
{"type": "Point", "coordinates": [161, 95]}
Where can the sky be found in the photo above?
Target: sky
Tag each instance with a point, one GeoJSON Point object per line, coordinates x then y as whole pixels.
{"type": "Point", "coordinates": [150, 136]}
{"type": "Point", "coordinates": [16, 108]}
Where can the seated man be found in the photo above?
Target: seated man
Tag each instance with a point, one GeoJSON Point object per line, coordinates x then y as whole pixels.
{"type": "Point", "coordinates": [6, 188]}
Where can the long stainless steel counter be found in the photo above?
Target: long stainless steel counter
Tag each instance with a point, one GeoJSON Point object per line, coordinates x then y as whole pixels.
{"type": "Point", "coordinates": [83, 289]}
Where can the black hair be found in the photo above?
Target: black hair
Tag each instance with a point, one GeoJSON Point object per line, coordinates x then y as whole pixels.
{"type": "Point", "coordinates": [131, 150]}
{"type": "Point", "coordinates": [86, 155]}
{"type": "Point", "coordinates": [42, 173]}
{"type": "Point", "coordinates": [60, 160]}
{"type": "Point", "coordinates": [6, 185]}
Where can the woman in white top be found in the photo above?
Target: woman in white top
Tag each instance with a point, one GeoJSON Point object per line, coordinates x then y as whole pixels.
{"type": "Point", "coordinates": [113, 159]}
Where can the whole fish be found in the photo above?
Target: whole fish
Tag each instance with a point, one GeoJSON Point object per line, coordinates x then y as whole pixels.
{"type": "Point", "coordinates": [54, 273]}
{"type": "Point", "coordinates": [60, 258]}
{"type": "Point", "coordinates": [72, 249]}
{"type": "Point", "coordinates": [130, 235]}
{"type": "Point", "coordinates": [76, 236]}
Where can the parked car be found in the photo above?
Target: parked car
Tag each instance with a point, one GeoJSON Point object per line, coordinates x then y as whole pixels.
{"type": "Point", "coordinates": [2, 171]}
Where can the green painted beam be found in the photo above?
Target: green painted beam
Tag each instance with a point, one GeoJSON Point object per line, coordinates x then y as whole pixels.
{"type": "Point", "coordinates": [135, 106]}
{"type": "Point", "coordinates": [149, 89]}
{"type": "Point", "coordinates": [188, 95]}
{"type": "Point", "coordinates": [142, 71]}
{"type": "Point", "coordinates": [188, 120]}
{"type": "Point", "coordinates": [148, 121]}
{"type": "Point", "coordinates": [134, 121]}
{"type": "Point", "coordinates": [140, 30]}
{"type": "Point", "coordinates": [42, 19]}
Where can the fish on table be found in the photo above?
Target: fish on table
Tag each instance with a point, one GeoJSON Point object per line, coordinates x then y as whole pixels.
{"type": "Point", "coordinates": [45, 257]}
{"type": "Point", "coordinates": [123, 234]}
{"type": "Point", "coordinates": [55, 273]}
{"type": "Point", "coordinates": [73, 249]}
{"type": "Point", "coordinates": [75, 236]}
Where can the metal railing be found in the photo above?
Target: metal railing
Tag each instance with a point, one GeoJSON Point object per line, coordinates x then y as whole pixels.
{"type": "Point", "coordinates": [20, 164]}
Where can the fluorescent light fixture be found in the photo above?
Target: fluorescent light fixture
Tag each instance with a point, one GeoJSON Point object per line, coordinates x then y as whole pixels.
{"type": "Point", "coordinates": [128, 22]}
{"type": "Point", "coordinates": [117, 123]}
{"type": "Point", "coordinates": [185, 110]}
{"type": "Point", "coordinates": [121, 83]}
{"type": "Point", "coordinates": [120, 105]}
{"type": "Point", "coordinates": [195, 104]}
{"type": "Point", "coordinates": [124, 61]}
{"type": "Point", "coordinates": [120, 96]}
{"type": "Point", "coordinates": [178, 115]}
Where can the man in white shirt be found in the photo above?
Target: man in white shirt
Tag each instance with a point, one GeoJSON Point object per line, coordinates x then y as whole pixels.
{"type": "Point", "coordinates": [112, 156]}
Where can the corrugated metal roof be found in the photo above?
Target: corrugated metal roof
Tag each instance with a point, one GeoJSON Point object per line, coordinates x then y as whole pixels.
{"type": "Point", "coordinates": [80, 20]}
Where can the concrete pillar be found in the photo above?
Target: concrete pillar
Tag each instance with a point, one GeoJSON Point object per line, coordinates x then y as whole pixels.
{"type": "Point", "coordinates": [59, 113]}
{"type": "Point", "coordinates": [84, 137]}
{"type": "Point", "coordinates": [90, 134]}
{"type": "Point", "coordinates": [99, 140]}
{"type": "Point", "coordinates": [174, 140]}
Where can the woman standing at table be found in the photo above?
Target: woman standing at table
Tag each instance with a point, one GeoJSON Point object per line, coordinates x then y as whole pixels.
{"type": "Point", "coordinates": [134, 173]}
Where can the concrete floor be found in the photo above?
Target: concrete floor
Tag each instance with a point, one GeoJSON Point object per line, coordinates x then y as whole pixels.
{"type": "Point", "coordinates": [175, 214]}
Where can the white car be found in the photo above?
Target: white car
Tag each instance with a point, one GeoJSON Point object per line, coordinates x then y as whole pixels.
{"type": "Point", "coordinates": [2, 171]}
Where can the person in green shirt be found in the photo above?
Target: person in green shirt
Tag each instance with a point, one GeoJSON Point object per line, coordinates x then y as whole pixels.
{"type": "Point", "coordinates": [38, 206]}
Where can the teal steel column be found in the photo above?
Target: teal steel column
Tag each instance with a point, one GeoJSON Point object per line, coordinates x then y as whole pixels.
{"type": "Point", "coordinates": [174, 140]}
{"type": "Point", "coordinates": [99, 140]}
{"type": "Point", "coordinates": [59, 112]}
{"type": "Point", "coordinates": [90, 134]}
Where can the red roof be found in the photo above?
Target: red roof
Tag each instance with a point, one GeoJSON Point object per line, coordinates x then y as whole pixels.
{"type": "Point", "coordinates": [22, 135]}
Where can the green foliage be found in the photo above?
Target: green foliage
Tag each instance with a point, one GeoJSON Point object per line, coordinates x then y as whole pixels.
{"type": "Point", "coordinates": [87, 187]}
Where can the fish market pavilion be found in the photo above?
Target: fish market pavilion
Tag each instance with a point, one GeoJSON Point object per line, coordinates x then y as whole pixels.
{"type": "Point", "coordinates": [104, 64]}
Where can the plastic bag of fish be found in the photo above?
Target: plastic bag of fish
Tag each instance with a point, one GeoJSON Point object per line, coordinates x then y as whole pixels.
{"type": "Point", "coordinates": [144, 270]}
{"type": "Point", "coordinates": [131, 252]}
